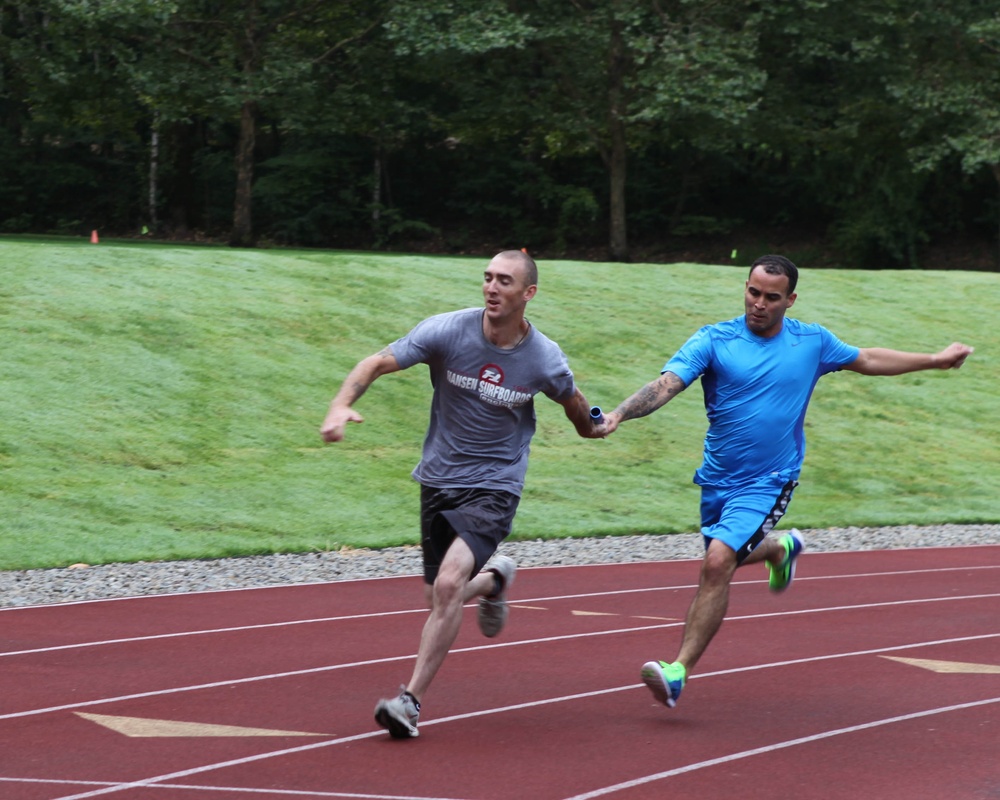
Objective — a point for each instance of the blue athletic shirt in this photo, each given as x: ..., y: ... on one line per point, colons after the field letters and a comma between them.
x: 756, y: 393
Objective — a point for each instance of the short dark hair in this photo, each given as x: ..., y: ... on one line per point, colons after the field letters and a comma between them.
x: 778, y: 265
x: 530, y: 268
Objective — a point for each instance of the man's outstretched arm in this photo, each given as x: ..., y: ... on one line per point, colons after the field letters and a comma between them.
x: 882, y: 361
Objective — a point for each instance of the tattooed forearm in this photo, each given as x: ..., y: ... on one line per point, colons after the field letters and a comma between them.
x: 363, y: 375
x: 354, y: 390
x: 651, y: 397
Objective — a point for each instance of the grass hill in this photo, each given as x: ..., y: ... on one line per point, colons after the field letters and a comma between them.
x: 163, y: 402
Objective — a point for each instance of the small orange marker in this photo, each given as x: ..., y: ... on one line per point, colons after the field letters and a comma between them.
x: 93, y: 237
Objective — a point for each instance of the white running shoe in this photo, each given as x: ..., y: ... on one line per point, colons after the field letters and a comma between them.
x: 493, y: 610
x: 399, y: 715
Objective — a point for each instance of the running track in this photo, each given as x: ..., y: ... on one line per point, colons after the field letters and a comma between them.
x: 876, y: 676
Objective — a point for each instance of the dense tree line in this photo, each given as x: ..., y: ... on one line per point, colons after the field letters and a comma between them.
x: 563, y: 124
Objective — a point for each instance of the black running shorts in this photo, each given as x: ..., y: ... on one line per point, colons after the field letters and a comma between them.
x: 481, y: 517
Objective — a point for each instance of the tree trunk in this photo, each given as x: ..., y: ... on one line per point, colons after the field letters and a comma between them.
x: 377, y: 189
x: 242, y: 233
x: 154, y: 164
x: 618, y: 157
x: 178, y: 186
x: 996, y: 174
x: 682, y: 194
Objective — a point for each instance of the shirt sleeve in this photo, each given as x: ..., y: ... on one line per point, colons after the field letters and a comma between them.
x: 836, y: 354
x: 693, y: 358
x: 419, y: 345
x: 563, y: 387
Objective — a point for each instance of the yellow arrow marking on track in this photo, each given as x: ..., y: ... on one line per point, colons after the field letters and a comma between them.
x: 598, y: 613
x: 137, y: 727
x: 953, y: 667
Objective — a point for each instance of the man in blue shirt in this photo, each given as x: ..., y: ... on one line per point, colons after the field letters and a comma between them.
x: 758, y: 372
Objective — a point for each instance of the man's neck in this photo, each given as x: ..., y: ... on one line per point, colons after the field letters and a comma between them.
x: 506, y: 336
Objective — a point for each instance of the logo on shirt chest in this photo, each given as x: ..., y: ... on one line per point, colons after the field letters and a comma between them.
x: 489, y: 386
x: 491, y: 373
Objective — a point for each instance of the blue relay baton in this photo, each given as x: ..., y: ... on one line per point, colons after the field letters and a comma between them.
x: 596, y: 415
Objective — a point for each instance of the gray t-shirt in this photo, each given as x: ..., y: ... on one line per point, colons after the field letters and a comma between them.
x: 482, y: 412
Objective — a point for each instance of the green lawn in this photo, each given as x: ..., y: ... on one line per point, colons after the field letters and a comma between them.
x: 163, y: 402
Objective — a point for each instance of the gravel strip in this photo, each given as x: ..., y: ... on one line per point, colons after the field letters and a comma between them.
x: 81, y: 582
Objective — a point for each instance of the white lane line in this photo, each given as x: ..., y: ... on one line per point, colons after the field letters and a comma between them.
x: 208, y: 631
x: 231, y: 590
x: 241, y: 790
x: 416, y: 574
x: 159, y: 779
x: 542, y: 640
x: 235, y: 762
x: 423, y: 610
x: 757, y: 751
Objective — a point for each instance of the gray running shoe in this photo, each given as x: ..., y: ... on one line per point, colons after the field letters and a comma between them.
x: 493, y: 609
x: 399, y: 715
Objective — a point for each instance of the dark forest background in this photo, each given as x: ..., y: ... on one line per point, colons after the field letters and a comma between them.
x: 856, y: 133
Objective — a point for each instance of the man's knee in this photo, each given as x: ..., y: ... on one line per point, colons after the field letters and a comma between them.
x: 448, y: 585
x: 719, y: 563
x: 452, y: 577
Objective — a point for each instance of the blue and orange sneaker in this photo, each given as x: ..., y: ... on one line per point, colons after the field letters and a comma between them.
x: 781, y: 577
x: 664, y: 680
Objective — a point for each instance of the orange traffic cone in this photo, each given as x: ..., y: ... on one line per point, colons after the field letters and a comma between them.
x: 93, y: 237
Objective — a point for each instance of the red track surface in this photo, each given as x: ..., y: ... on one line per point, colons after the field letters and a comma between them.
x: 798, y: 696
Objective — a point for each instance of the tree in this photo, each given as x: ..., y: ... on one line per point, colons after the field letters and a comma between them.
x: 131, y: 65
x: 68, y: 109
x: 236, y: 59
x: 949, y: 85
x: 599, y: 77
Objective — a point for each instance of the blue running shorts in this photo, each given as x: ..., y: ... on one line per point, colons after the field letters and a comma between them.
x: 742, y: 517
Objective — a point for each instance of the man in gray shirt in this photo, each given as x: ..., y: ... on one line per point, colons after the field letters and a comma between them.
x: 486, y: 366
